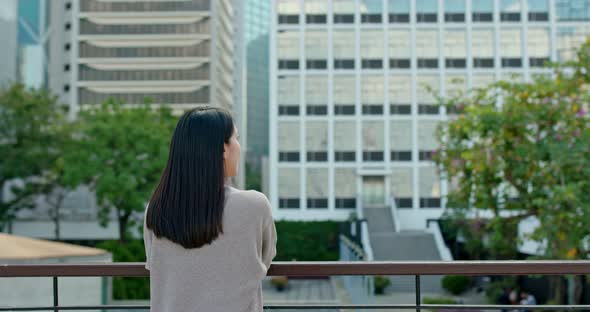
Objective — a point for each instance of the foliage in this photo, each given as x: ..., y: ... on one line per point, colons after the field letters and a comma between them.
x: 495, y: 289
x: 307, y: 241
x: 525, y: 157
x: 30, y: 128
x: 128, y: 288
x: 380, y: 283
x: 438, y: 300
x: 456, y: 284
x: 121, y: 154
x: 253, y: 178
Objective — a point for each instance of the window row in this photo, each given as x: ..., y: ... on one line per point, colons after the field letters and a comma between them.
x: 398, y: 11
x: 345, y: 191
x: 373, y: 138
x: 374, y: 53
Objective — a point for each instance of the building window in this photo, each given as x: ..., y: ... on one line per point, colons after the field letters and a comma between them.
x: 317, y: 188
x: 345, y: 188
x: 400, y: 51
x: 372, y: 50
x: 374, y: 64
x: 539, y: 47
x: 319, y: 110
x: 429, y: 188
x: 400, y: 109
x: 288, y: 203
x: 401, y: 155
x: 317, y: 64
x: 511, y: 62
x: 288, y: 139
x: 568, y: 10
x: 343, y: 18
x: 483, y: 62
x: 538, y: 10
x: 402, y: 187
x: 510, y: 47
x: 67, y: 46
x: 315, y: 18
x: 66, y: 88
x: 372, y: 109
x: 482, y: 10
x: 68, y: 26
x: 455, y: 63
x: 344, y: 64
x: 344, y: 110
x: 68, y: 5
x: 426, y: 139
x: 428, y: 109
x: 289, y: 187
x: 344, y: 156
x: 316, y: 95
x: 399, y: 63
x: 454, y: 11
x: 317, y: 156
x: 425, y: 155
x: 289, y: 156
x: 288, y: 12
x: 426, y: 11
x: 427, y: 51
x: 455, y: 45
x: 372, y: 156
x: 345, y: 203
x: 371, y: 18
x: 344, y: 11
x: 510, y: 10
x: 399, y: 11
x: 538, y: 61
x: 289, y: 64
x: 373, y: 140
x: 67, y: 67
x: 289, y: 110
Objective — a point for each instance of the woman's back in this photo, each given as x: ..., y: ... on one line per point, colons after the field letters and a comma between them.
x: 223, y: 276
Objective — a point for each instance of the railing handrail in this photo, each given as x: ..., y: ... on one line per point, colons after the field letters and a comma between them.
x: 394, y: 215
x: 443, y: 249
x: 322, y: 269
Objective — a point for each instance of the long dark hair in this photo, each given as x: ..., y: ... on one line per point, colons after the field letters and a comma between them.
x: 187, y: 206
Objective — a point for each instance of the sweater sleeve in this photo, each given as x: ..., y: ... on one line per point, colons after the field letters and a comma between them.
x: 269, y: 236
x: 147, y: 240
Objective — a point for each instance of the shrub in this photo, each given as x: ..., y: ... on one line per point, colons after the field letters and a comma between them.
x: 456, y: 284
x: 280, y: 282
x: 307, y: 241
x: 438, y: 300
x: 128, y: 288
x: 380, y: 283
x: 494, y: 289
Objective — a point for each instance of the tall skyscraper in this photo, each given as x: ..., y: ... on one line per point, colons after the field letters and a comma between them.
x: 351, y: 120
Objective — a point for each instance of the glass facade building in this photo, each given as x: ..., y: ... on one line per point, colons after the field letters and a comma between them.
x: 352, y: 119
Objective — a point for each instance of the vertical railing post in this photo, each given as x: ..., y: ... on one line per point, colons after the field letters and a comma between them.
x: 55, y: 295
x: 418, y: 300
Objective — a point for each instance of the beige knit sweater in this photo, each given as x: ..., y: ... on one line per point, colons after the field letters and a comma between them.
x: 224, y: 276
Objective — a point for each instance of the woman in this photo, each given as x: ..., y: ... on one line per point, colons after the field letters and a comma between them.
x: 208, y: 245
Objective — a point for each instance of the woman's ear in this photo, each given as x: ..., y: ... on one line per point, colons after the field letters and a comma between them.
x: 225, y: 148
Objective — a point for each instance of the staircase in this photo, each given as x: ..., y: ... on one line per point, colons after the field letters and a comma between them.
x: 391, y: 245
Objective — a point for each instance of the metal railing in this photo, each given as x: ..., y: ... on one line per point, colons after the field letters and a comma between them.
x: 319, y: 269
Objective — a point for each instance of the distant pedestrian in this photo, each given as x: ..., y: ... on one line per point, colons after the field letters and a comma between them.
x: 527, y: 298
x: 504, y: 298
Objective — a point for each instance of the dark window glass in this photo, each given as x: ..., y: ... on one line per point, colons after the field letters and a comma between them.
x: 288, y: 64
x: 289, y: 110
x: 399, y: 18
x: 315, y: 18
x: 317, y: 156
x: 317, y: 110
x: 427, y: 63
x: 511, y: 62
x: 456, y: 63
x: 538, y: 16
x: 345, y: 203
x: 482, y: 17
x: 426, y: 17
x: 289, y: 203
x: 344, y: 156
x: 483, y: 62
x: 317, y: 64
x: 399, y: 63
x: 538, y: 61
x: 344, y: 64
x: 403, y: 202
x: 372, y: 156
x: 344, y: 109
x: 289, y: 156
x: 343, y: 18
x: 426, y: 109
x: 429, y: 202
x: 67, y: 46
x: 68, y: 6
x: 454, y: 17
x: 317, y: 203
x: 425, y: 155
x: 372, y: 109
x: 68, y: 26
x: 371, y: 18
x: 289, y: 19
x: 400, y: 109
x: 67, y: 67
x: 454, y: 110
x: 510, y: 16
x: 67, y: 88
x: 401, y: 155
x: 372, y: 64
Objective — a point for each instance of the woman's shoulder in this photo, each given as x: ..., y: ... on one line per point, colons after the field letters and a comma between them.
x: 250, y: 198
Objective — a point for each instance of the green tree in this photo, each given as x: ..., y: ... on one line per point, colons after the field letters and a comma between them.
x: 521, y: 149
x: 121, y: 153
x: 30, y: 128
